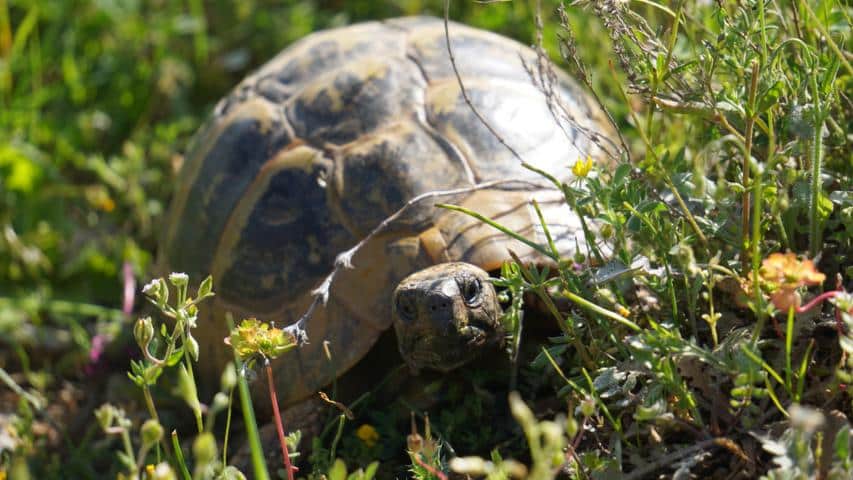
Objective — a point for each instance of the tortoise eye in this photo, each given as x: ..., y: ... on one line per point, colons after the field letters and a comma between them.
x: 471, y: 290
x: 406, y: 306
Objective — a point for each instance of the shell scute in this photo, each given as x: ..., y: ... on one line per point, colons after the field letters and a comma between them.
x: 477, y: 53
x: 240, y: 145
x: 286, y: 240
x: 354, y: 100
x: 379, y: 174
x: 551, y: 146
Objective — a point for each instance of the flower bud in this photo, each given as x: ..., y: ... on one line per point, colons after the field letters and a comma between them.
x: 572, y: 427
x: 204, y: 448
x: 229, y: 377
x: 474, y: 466
x: 220, y: 402
x: 587, y: 406
x: 231, y: 473
x: 105, y: 414
x: 143, y: 332
x: 520, y: 410
x: 187, y: 389
x: 414, y: 442
x: 152, y: 432
x: 192, y: 347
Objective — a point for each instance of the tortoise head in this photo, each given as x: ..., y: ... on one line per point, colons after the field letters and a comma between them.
x: 445, y: 315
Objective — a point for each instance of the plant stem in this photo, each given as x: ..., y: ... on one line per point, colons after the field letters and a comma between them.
x: 278, y: 425
x: 179, y: 456
x: 817, y: 153
x: 152, y: 410
x: 789, y: 340
x: 818, y: 299
x: 494, y: 224
x: 259, y: 467
x: 755, y: 255
x: 601, y: 311
x: 128, y: 445
x: 257, y: 452
x: 227, y: 427
x: 747, y: 155
x: 33, y: 400
x: 333, y: 450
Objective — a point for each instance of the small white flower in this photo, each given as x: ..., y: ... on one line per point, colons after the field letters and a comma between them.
x: 152, y: 288
x: 806, y: 419
x: 179, y: 279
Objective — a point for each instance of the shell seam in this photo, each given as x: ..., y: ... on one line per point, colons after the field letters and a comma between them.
x: 446, y: 144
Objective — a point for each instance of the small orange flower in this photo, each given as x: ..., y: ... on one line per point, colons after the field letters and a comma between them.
x: 783, y: 273
x: 784, y: 270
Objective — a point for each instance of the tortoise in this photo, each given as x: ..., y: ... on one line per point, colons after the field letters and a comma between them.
x: 310, y: 153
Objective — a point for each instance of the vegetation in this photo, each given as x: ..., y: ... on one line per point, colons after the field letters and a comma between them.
x: 717, y: 339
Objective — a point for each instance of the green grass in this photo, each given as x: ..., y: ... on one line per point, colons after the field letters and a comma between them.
x: 737, y: 121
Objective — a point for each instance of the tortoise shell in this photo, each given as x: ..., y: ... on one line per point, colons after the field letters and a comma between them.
x: 310, y: 153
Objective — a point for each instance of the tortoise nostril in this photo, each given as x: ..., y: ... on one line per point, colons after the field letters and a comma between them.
x: 438, y: 303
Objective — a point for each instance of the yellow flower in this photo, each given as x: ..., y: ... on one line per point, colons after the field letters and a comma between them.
x: 252, y: 337
x: 107, y: 204
x: 582, y: 168
x: 367, y: 434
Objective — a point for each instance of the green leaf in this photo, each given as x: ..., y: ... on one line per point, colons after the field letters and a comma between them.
x: 19, y: 172
x: 175, y: 357
x: 338, y: 470
x: 370, y: 471
x: 842, y: 444
x: 824, y: 206
x: 621, y: 173
x: 770, y: 97
x: 206, y: 287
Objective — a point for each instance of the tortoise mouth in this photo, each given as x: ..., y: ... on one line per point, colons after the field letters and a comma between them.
x: 446, y: 351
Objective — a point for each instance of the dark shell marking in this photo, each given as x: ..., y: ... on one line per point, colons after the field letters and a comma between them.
x: 317, y: 147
